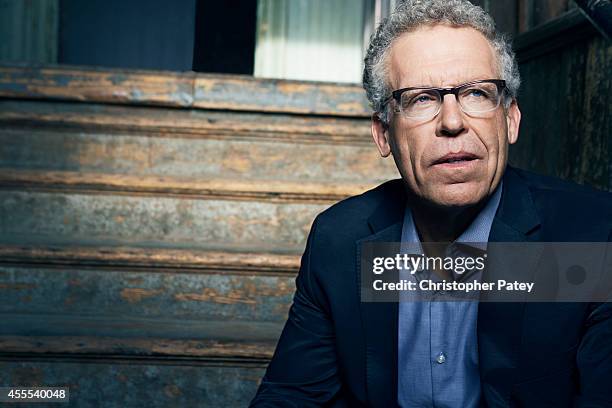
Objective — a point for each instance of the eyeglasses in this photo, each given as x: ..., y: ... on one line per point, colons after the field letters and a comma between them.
x: 474, y: 98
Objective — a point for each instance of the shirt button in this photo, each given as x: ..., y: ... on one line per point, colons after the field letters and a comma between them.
x: 441, y: 358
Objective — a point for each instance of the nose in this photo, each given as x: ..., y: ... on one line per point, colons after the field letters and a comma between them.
x: 451, y: 120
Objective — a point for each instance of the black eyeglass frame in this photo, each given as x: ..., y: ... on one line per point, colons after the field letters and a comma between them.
x: 397, y: 94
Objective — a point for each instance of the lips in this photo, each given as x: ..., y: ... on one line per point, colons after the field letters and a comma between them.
x: 455, y: 158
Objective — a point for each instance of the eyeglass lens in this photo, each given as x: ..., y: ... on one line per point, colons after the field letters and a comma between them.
x: 473, y: 98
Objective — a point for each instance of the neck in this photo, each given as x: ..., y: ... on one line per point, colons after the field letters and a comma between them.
x: 437, y: 224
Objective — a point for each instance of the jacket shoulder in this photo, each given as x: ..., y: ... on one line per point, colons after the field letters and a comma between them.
x: 548, y: 183
x: 356, y: 210
x: 567, y: 203
x: 547, y: 186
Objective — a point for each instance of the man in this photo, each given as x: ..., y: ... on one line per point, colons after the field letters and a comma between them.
x: 443, y: 85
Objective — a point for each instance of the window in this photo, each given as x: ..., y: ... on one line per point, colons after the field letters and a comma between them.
x: 321, y: 40
x: 310, y: 39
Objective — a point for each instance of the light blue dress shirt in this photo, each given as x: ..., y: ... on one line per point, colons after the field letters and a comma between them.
x: 437, y: 341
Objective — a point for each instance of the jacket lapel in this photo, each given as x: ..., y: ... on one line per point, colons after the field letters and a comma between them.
x: 380, y: 319
x: 500, y: 323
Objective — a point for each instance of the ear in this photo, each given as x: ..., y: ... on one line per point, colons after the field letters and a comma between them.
x: 380, y: 134
x: 513, y: 121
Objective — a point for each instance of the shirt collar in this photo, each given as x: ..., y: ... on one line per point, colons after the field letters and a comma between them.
x: 476, y: 233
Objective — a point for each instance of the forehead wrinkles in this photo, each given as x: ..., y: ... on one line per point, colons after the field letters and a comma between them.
x: 443, y: 80
x: 440, y: 56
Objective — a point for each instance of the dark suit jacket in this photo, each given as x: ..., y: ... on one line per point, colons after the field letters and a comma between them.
x: 338, y: 351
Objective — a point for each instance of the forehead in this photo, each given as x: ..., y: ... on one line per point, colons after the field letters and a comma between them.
x: 440, y: 55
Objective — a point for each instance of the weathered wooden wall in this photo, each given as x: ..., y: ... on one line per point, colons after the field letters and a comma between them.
x: 151, y: 225
x: 566, y: 67
x: 518, y: 16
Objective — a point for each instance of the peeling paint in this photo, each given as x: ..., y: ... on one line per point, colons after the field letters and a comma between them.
x: 117, y: 79
x: 134, y: 295
x: 211, y: 295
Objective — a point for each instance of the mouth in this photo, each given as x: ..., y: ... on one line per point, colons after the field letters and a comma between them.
x: 455, y: 159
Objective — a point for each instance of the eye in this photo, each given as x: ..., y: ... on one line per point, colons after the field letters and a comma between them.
x: 421, y: 99
x: 476, y: 93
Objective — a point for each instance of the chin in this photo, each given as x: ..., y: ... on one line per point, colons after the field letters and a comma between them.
x: 457, y: 196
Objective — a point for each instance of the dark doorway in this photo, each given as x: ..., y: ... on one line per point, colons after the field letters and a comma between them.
x: 225, y: 36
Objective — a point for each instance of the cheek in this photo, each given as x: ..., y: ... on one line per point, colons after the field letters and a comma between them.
x: 494, y: 138
x: 407, y: 151
x: 502, y: 138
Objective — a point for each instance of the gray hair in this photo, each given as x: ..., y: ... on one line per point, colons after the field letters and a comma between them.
x: 412, y: 14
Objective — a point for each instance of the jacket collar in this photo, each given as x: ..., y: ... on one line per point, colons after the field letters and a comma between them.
x: 515, y: 221
x: 500, y: 324
x: 390, y: 209
x: 517, y: 211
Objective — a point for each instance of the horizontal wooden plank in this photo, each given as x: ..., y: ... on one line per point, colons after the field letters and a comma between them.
x: 123, y: 384
x: 129, y: 313
x: 155, y: 258
x: 111, y: 347
x: 152, y: 121
x: 277, y: 95
x: 90, y: 151
x: 92, y: 84
x: 140, y: 298
x: 225, y: 189
x: 127, y: 339
x: 124, y: 327
x: 44, y: 218
x: 226, y: 92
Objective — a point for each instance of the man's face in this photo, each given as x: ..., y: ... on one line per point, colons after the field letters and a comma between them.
x: 443, y: 56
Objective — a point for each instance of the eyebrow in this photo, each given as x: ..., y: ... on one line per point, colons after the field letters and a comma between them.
x: 467, y: 81
x: 471, y: 78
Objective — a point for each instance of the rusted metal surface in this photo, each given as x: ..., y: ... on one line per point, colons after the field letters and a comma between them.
x: 121, y: 385
x: 226, y: 189
x: 237, y: 93
x: 101, y: 219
